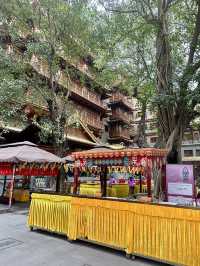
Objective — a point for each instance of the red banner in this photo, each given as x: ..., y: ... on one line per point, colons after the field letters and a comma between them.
x: 7, y: 169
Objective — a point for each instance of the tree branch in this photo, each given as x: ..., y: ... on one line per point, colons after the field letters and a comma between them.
x: 170, y: 2
x: 195, y: 37
x: 145, y: 63
x: 147, y: 3
x: 195, y: 66
x: 148, y: 17
x: 102, y: 2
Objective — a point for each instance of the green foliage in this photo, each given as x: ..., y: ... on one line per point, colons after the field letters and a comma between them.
x: 125, y: 36
x: 50, y: 31
x: 12, y: 87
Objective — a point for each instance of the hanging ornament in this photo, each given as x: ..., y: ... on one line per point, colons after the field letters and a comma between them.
x: 143, y: 162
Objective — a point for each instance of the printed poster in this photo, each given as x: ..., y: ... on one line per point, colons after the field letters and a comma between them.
x: 180, y: 183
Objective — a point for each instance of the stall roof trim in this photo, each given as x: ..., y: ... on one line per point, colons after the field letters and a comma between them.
x: 101, y: 153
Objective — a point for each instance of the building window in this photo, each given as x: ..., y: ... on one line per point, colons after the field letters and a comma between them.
x: 153, y: 139
x: 138, y: 115
x: 188, y: 153
x: 197, y: 152
x: 152, y: 126
x: 196, y: 135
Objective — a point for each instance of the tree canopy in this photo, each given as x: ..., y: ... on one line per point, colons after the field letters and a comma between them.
x: 154, y: 45
x: 37, y: 36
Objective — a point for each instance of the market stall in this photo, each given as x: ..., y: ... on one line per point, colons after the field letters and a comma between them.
x: 21, y: 165
x: 117, y: 173
x: 154, y: 230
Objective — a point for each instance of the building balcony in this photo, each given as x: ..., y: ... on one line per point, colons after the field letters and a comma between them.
x: 119, y: 134
x: 191, y: 142
x: 151, y: 131
x: 89, y: 117
x: 120, y: 115
x: 78, y: 92
x: 93, y: 122
x: 85, y: 95
x: 119, y: 98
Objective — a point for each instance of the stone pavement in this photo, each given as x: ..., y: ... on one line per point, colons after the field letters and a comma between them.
x: 4, y: 208
x: 19, y: 246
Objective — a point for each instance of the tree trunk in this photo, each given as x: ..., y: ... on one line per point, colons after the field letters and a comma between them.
x: 141, y: 136
x: 59, y: 121
x: 167, y: 116
x: 174, y: 144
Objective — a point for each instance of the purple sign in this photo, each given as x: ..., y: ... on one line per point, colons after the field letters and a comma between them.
x: 180, y: 182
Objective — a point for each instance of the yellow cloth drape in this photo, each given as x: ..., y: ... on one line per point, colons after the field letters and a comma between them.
x: 50, y: 212
x: 161, y: 232
x: 90, y: 189
x: 116, y: 190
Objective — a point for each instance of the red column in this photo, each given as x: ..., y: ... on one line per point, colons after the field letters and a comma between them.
x: 164, y: 185
x: 76, y: 176
x: 149, y: 176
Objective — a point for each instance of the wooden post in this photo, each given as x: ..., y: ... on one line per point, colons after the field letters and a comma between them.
x: 163, y: 182
x: 103, y: 180
x: 58, y: 182
x: 12, y: 187
x: 140, y: 177
x: 76, y: 176
x: 149, y: 176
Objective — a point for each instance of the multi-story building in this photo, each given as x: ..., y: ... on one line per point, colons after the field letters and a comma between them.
x: 88, y: 103
x: 190, y: 149
x: 96, y: 124
x: 120, y: 119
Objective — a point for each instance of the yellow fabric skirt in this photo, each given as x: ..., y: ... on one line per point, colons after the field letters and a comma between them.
x: 166, y: 233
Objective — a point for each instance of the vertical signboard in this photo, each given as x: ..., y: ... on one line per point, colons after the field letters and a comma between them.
x: 180, y: 183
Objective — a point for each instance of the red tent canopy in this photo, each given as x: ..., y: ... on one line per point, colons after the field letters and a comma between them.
x: 29, y: 160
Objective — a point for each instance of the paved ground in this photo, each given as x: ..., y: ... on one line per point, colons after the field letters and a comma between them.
x: 15, y: 207
x: 19, y: 246
x: 3, y: 208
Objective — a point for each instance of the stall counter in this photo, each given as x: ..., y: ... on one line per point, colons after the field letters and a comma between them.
x: 164, y: 233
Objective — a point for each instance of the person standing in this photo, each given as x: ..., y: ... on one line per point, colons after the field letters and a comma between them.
x: 131, y: 184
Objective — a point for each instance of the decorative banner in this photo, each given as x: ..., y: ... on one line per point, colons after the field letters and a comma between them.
x: 126, y: 161
x: 134, y: 160
x: 89, y: 163
x: 82, y: 162
x: 28, y: 171
x: 180, y: 183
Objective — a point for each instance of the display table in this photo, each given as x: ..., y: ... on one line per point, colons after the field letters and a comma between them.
x: 90, y: 189
x: 50, y: 212
x: 116, y: 190
x: 20, y: 195
x: 122, y: 190
x: 165, y: 233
